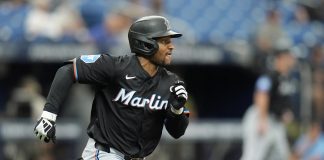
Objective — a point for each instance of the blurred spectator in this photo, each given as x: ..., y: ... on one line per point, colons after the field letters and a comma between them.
x: 317, y: 64
x: 264, y: 134
x: 112, y: 32
x: 319, y: 8
x: 113, y: 29
x: 190, y: 37
x: 157, y: 6
x: 315, y: 9
x: 317, y: 57
x: 270, y: 31
x: 310, y: 145
x: 12, y: 31
x: 26, y: 103
x: 48, y: 23
x: 302, y: 30
x: 134, y: 9
x: 26, y: 100
x: 12, y: 17
x: 93, y: 11
x: 267, y: 34
x: 137, y: 9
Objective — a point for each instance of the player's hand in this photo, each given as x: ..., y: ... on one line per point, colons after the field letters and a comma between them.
x: 45, y: 127
x: 178, y: 96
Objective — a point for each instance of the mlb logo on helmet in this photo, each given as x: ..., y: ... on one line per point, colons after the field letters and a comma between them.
x: 166, y: 22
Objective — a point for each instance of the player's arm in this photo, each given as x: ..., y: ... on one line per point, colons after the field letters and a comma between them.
x: 177, y: 116
x: 261, y: 101
x: 88, y: 69
x: 261, y: 95
x: 175, y: 124
x: 63, y: 80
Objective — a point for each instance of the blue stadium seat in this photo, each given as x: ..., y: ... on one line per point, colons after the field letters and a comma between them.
x: 218, y: 19
x: 12, y: 21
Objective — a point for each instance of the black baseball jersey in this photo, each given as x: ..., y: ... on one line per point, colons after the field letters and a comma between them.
x: 281, y: 89
x: 130, y: 107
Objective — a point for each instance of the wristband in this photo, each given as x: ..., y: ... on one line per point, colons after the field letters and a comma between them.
x: 177, y: 111
x: 49, y: 116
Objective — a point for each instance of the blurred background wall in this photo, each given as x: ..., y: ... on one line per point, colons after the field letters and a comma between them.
x: 225, y: 47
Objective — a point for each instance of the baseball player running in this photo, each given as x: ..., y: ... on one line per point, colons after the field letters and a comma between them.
x: 135, y: 96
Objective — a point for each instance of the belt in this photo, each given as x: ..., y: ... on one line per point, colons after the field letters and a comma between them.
x: 108, y: 149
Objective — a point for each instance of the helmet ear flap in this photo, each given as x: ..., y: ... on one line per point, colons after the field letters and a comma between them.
x: 143, y: 46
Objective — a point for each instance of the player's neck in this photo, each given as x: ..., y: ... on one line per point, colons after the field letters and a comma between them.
x: 148, y: 66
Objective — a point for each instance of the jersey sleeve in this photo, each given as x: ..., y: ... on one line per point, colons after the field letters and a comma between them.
x: 263, y: 84
x: 94, y: 69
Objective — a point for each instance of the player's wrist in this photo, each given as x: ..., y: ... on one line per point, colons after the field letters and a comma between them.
x: 48, y: 115
x: 177, y: 111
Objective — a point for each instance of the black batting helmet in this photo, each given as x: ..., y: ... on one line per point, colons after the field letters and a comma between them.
x: 143, y: 33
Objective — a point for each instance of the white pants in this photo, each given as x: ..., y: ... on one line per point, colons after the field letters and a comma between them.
x: 272, y: 145
x: 91, y: 153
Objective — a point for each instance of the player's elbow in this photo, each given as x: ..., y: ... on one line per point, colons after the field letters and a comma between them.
x: 177, y: 135
x: 176, y: 132
x: 177, y: 127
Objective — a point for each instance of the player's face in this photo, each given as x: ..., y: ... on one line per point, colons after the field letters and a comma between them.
x: 164, y: 55
x: 286, y: 62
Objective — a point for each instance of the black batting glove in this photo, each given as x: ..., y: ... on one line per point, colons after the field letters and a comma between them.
x: 178, y: 96
x: 45, y: 127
